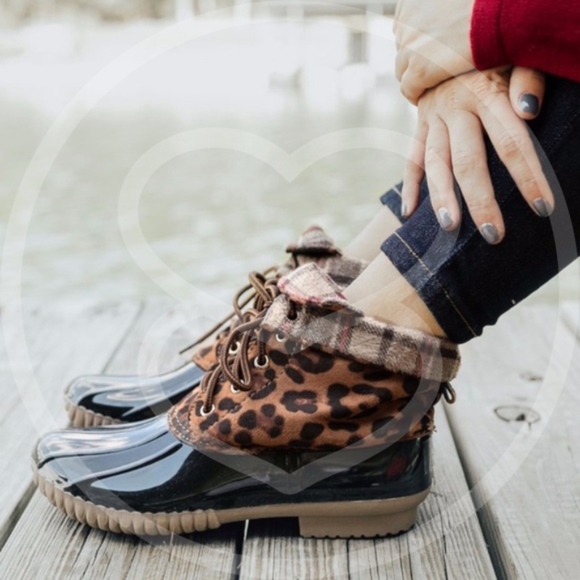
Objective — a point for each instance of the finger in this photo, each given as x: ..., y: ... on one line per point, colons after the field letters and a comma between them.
x: 411, y: 86
x: 414, y: 172
x: 512, y: 140
x: 527, y: 92
x: 438, y: 170
x: 470, y: 168
x: 401, y: 64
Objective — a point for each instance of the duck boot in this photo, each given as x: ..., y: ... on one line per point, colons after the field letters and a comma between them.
x: 108, y: 399
x: 322, y: 413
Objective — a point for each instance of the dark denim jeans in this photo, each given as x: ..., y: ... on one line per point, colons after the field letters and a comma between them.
x: 468, y: 284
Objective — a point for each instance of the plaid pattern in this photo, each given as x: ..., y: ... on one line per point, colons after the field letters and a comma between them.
x: 326, y: 318
x: 314, y: 245
x: 313, y: 242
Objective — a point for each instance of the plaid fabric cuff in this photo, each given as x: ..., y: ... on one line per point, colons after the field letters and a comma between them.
x: 326, y: 318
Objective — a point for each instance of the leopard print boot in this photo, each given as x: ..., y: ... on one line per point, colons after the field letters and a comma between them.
x: 93, y: 400
x: 313, y: 411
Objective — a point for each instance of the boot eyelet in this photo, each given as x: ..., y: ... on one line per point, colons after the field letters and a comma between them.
x: 235, y: 348
x: 263, y: 364
x: 235, y: 390
x: 205, y: 413
x: 280, y: 337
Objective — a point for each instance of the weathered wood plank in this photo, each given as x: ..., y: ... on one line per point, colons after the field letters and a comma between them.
x: 62, y: 341
x: 516, y: 425
x: 446, y: 542
x: 70, y: 550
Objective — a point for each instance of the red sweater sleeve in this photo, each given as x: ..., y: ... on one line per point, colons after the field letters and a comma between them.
x: 540, y: 34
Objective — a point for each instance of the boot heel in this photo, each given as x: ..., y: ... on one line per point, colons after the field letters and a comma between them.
x: 357, y: 527
x: 361, y: 519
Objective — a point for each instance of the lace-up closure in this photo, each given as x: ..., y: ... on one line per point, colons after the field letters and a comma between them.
x: 239, y: 303
x: 234, y: 362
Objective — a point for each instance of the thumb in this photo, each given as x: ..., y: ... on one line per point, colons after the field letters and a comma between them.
x: 527, y: 92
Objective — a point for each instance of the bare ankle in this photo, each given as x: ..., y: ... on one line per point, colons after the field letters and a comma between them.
x: 383, y: 293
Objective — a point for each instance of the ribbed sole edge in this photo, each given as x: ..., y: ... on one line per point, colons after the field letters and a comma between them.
x: 353, y: 519
x: 81, y: 417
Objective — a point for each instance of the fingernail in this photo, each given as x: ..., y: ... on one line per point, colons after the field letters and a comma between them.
x: 489, y: 233
x: 529, y: 104
x: 403, y: 209
x: 542, y: 207
x: 444, y: 218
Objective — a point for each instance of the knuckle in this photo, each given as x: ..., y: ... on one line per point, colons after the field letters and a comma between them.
x: 407, y: 89
x: 481, y: 208
x: 465, y: 163
x: 432, y: 156
x: 511, y: 145
x: 530, y: 187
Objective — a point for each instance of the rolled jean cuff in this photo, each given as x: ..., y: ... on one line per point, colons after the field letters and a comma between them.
x: 392, y: 199
x: 446, y: 308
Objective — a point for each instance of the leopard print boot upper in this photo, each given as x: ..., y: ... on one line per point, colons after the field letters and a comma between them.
x: 311, y: 372
x: 313, y: 246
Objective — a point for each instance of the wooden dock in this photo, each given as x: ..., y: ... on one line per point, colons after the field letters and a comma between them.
x: 506, y: 495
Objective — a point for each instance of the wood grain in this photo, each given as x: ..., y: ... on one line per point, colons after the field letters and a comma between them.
x: 45, y: 544
x: 61, y: 341
x: 516, y: 425
x: 446, y: 542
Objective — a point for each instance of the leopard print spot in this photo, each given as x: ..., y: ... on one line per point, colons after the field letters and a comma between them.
x: 279, y: 358
x: 225, y: 427
x: 356, y: 367
x: 365, y: 413
x: 243, y: 438
x: 213, y: 418
x: 247, y: 420
x: 275, y: 432
x: 226, y: 404
x: 342, y: 425
x: 296, y: 401
x: 410, y: 384
x: 268, y: 410
x: 264, y: 391
x: 311, y: 431
x: 353, y: 439
x: 279, y: 420
x: 335, y: 393
x: 377, y: 374
x: 295, y: 375
x: 270, y: 374
x: 384, y: 395
x: 324, y: 363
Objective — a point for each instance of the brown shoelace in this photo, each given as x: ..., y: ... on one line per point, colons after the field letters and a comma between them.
x: 234, y: 362
x: 239, y: 306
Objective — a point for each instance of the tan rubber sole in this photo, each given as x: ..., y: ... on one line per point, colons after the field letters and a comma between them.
x: 81, y: 417
x: 355, y: 519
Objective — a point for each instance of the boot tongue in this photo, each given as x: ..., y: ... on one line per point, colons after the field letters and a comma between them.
x: 315, y: 245
x: 309, y: 284
x: 313, y: 242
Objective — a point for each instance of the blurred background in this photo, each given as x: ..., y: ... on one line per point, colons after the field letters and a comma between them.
x: 286, y: 71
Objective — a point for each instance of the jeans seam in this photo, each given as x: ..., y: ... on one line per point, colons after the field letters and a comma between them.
x: 433, y: 276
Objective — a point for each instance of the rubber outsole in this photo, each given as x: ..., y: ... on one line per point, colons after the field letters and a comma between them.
x: 81, y: 417
x: 355, y: 519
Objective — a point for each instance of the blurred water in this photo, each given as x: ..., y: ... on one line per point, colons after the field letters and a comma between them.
x: 209, y: 215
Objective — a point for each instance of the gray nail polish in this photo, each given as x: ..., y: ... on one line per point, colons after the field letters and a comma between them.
x: 403, y: 209
x: 529, y: 104
x: 542, y: 207
x: 444, y: 218
x: 489, y: 233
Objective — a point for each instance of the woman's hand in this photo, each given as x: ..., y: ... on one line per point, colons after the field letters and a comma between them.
x: 449, y: 143
x: 433, y: 43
